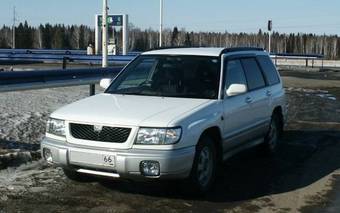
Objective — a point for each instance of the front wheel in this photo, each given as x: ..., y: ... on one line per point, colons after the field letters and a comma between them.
x: 203, y: 171
x: 272, y: 139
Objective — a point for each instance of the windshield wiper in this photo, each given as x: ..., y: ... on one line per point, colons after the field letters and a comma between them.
x: 133, y: 93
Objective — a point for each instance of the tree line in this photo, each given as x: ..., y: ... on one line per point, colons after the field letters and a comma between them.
x: 47, y: 36
x: 80, y: 36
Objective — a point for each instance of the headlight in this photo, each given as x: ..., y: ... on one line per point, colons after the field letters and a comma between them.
x: 155, y: 136
x: 56, y: 127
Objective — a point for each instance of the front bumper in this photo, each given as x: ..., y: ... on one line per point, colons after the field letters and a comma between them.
x: 174, y: 164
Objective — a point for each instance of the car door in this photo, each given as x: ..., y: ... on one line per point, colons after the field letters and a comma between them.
x: 236, y: 108
x: 258, y: 98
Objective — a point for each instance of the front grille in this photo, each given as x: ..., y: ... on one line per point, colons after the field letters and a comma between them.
x: 102, y: 134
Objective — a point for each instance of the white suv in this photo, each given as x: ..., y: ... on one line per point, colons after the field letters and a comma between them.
x: 171, y: 113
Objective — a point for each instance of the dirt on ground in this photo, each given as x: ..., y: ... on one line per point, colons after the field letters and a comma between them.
x: 304, y: 176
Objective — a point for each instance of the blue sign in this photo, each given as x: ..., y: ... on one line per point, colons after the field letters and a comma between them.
x: 112, y: 20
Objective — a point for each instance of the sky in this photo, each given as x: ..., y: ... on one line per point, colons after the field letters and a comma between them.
x: 307, y: 16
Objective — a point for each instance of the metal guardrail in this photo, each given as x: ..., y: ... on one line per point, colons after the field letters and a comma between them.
x: 29, y: 80
x: 297, y: 56
x: 53, y: 51
x: 19, y: 56
x: 43, y: 51
x: 305, y: 57
x: 43, y: 58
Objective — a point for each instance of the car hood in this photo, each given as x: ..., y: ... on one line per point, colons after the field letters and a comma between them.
x: 127, y: 110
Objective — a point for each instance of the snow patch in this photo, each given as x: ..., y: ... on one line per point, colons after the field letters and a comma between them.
x: 311, y: 92
x: 23, y: 115
x: 28, y: 177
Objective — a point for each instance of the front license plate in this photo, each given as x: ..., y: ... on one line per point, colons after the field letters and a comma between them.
x: 109, y: 160
x: 94, y: 159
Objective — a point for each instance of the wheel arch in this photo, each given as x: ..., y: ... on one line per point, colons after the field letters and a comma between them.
x: 214, y: 132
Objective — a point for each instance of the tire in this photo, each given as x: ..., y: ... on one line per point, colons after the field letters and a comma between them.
x: 203, y: 172
x: 272, y: 139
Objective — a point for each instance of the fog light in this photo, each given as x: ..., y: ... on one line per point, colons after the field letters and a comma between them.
x: 48, y: 155
x: 150, y: 168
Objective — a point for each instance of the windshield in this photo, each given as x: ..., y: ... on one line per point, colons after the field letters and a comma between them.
x: 170, y: 76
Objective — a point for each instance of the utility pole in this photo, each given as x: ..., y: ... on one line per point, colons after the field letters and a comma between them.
x: 13, y: 28
x: 105, y: 34
x: 160, y: 23
x: 270, y: 28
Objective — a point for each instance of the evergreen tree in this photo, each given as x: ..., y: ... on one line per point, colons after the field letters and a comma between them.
x: 78, y: 37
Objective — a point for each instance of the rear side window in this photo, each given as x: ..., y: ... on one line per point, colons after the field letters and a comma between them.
x: 235, y: 73
x: 253, y: 74
x: 269, y: 70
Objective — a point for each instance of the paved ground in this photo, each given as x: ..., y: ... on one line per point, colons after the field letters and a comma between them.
x: 303, y: 177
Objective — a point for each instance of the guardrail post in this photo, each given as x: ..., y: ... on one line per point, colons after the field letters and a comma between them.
x: 92, y: 89
x: 64, y: 63
x: 275, y: 60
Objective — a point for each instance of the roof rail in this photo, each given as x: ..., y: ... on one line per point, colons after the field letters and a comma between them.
x: 238, y: 49
x: 173, y: 47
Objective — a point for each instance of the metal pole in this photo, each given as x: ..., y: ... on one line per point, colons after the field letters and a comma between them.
x: 97, y: 36
x: 270, y: 28
x: 13, y: 30
x: 125, y: 34
x: 105, y: 34
x: 161, y: 23
x: 275, y: 60
x: 92, y: 89
x: 64, y: 63
x: 270, y: 42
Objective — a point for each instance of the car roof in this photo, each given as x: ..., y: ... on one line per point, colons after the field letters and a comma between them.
x: 200, y: 51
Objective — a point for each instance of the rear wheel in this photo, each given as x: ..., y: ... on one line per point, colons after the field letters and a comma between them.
x: 203, y: 171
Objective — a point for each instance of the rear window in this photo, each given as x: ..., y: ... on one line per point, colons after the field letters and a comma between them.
x: 269, y: 70
x: 253, y: 74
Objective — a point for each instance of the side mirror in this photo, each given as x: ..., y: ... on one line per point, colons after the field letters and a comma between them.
x: 105, y: 83
x: 236, y: 89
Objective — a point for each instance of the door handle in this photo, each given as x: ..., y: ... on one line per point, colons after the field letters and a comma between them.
x: 269, y: 93
x: 249, y: 100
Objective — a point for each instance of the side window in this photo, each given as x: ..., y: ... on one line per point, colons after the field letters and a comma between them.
x: 253, y: 74
x: 234, y: 73
x: 269, y: 70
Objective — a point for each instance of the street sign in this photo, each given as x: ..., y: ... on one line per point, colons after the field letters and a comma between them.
x: 112, y: 20
x: 117, y: 20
